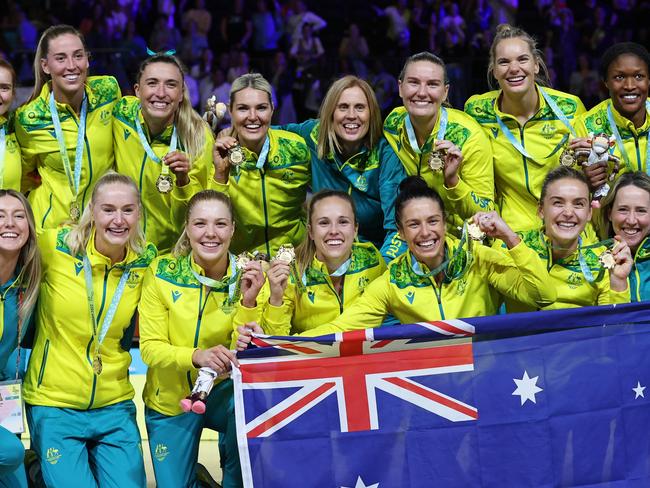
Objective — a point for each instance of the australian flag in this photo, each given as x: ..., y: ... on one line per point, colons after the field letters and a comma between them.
x: 543, y: 399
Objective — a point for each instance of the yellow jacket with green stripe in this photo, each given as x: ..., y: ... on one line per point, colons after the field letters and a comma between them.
x: 164, y: 213
x: 635, y: 140
x: 475, y: 189
x: 10, y: 165
x: 411, y: 298
x: 319, y: 303
x: 566, y: 277
x: 40, y: 150
x: 269, y: 201
x: 60, y: 371
x: 518, y: 180
x: 177, y: 316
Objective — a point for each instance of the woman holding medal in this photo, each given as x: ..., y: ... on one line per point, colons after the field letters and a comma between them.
x: 626, y: 213
x: 349, y: 153
x: 331, y: 270
x: 192, y: 301
x: 79, y: 399
x: 10, y: 158
x: 64, y: 130
x: 443, y: 145
x: 582, y: 273
x: 461, y: 279
x: 528, y: 124
x: 624, y: 116
x: 20, y: 272
x: 265, y: 171
x: 164, y: 145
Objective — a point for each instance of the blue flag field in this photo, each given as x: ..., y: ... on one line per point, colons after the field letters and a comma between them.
x: 543, y: 399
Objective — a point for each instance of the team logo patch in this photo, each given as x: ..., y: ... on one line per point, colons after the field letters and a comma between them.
x: 548, y: 131
x: 410, y: 296
x: 176, y: 295
x: 133, y: 280
x: 461, y: 285
x: 495, y: 132
x: 127, y: 133
x: 287, y: 176
x: 78, y: 267
x: 52, y: 455
x: 311, y: 295
x: 363, y: 282
x: 362, y: 183
x: 161, y: 452
x: 574, y: 280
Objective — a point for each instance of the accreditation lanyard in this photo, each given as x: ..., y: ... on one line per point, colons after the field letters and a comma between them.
x: 147, y: 147
x: 99, y: 332
x: 3, y: 147
x: 410, y: 131
x: 619, y: 139
x: 556, y: 111
x: 226, y: 281
x: 74, y: 179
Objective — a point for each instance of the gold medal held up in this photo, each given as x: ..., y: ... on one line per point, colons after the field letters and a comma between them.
x: 475, y: 233
x: 568, y: 158
x: 75, y: 212
x: 607, y: 260
x: 164, y: 183
x: 437, y: 160
x: 286, y: 254
x: 236, y: 155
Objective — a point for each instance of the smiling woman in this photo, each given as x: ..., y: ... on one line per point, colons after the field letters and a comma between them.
x: 265, y: 171
x: 170, y: 148
x: 61, y: 171
x: 78, y: 395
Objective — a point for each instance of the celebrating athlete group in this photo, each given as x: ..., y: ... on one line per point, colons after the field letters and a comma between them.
x: 120, y: 213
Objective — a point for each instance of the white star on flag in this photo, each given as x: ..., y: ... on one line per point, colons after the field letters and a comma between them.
x: 526, y: 388
x: 361, y: 484
x: 638, y: 390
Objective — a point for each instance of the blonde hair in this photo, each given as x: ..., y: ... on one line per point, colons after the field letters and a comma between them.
x: 29, y: 261
x: 637, y: 178
x: 78, y: 237
x: 182, y: 246
x: 190, y: 126
x: 251, y: 80
x: 507, y: 31
x: 327, y: 140
x: 40, y: 77
x: 306, y: 250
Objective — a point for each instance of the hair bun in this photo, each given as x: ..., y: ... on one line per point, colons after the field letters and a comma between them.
x: 412, y: 184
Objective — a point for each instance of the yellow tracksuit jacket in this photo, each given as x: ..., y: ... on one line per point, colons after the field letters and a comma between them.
x: 635, y: 140
x: 60, y: 371
x: 566, y: 277
x: 11, y: 163
x: 51, y: 198
x: 164, y: 213
x: 320, y: 303
x: 269, y: 201
x: 177, y: 316
x: 412, y: 298
x: 475, y: 189
x: 518, y: 180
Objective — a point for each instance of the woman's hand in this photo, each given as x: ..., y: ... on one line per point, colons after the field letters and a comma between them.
x: 453, y: 159
x: 218, y: 358
x: 179, y: 164
x: 495, y: 227
x: 278, y: 275
x: 623, y: 258
x: 245, y: 334
x: 220, y: 158
x: 252, y: 281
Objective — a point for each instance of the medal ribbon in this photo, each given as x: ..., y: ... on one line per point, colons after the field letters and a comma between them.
x: 74, y: 180
x: 619, y: 140
x: 3, y: 147
x: 112, y: 308
x: 417, y: 267
x: 584, y: 267
x: 147, y: 147
x: 556, y: 111
x: 340, y: 271
x: 410, y: 131
x: 226, y: 281
x: 263, y: 153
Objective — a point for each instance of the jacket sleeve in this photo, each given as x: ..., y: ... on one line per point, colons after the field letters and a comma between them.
x: 517, y: 273
x: 156, y: 350
x: 366, y: 313
x: 391, y: 174
x: 276, y: 320
x: 29, y: 157
x: 607, y: 296
x: 244, y: 315
x: 475, y: 189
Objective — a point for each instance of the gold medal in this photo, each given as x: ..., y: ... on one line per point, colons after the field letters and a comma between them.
x: 263, y: 258
x: 236, y: 155
x: 607, y: 260
x: 243, y: 259
x: 568, y: 158
x: 286, y: 254
x: 97, y: 364
x: 437, y: 161
x: 164, y: 183
x: 75, y: 213
x: 475, y: 233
